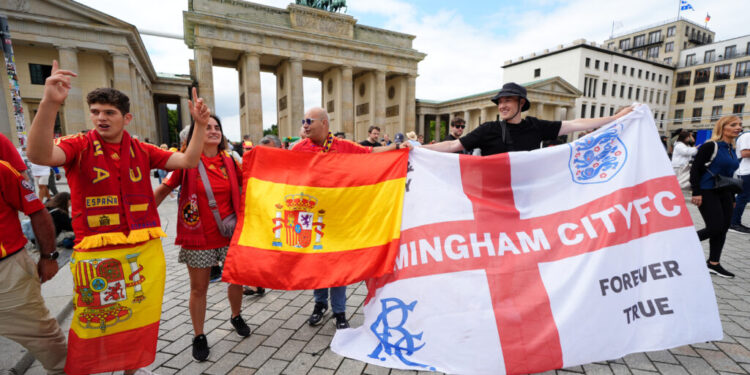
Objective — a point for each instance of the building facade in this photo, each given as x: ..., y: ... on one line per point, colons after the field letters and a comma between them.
x: 711, y: 81
x: 105, y: 51
x: 662, y: 41
x: 607, y: 78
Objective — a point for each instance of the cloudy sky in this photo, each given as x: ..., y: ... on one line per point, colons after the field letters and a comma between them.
x: 466, y: 42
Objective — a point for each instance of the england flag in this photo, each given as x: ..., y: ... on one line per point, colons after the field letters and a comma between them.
x: 530, y: 261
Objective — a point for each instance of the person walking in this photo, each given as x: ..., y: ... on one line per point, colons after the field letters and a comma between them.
x: 716, y: 157
x: 743, y: 173
x: 210, y: 194
x: 682, y: 153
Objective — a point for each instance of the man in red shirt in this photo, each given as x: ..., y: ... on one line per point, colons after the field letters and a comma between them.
x: 116, y: 322
x: 318, y: 138
x: 24, y: 318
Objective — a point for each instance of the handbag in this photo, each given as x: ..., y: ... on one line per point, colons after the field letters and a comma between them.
x: 730, y: 184
x: 225, y: 225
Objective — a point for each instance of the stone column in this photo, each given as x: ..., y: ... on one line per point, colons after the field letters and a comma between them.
x: 297, y: 111
x: 539, y: 110
x: 134, y: 100
x: 570, y: 112
x: 437, y: 128
x: 204, y: 74
x: 379, y: 100
x: 467, y: 118
x: 482, y: 115
x: 451, y: 116
x: 410, y: 109
x: 121, y: 73
x: 420, y: 130
x: 73, y: 110
x: 184, y: 111
x: 253, y: 120
x: 347, y: 102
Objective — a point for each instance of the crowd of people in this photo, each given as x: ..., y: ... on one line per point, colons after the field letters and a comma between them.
x: 114, y: 208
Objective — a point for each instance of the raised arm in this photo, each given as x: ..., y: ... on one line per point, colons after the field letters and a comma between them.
x: 201, y: 113
x: 392, y: 146
x: 41, y: 148
x: 581, y: 124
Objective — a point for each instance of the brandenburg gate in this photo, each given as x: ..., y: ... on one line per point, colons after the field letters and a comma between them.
x: 367, y: 74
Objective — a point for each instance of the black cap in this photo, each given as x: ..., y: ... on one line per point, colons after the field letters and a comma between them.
x: 513, y: 89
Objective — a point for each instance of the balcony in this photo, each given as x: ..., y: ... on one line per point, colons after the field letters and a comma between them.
x: 645, y: 44
x: 704, y: 39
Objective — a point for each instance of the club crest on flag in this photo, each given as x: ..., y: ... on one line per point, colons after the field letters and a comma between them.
x: 190, y: 211
x: 102, y: 284
x: 597, y: 158
x: 395, y: 340
x: 296, y: 217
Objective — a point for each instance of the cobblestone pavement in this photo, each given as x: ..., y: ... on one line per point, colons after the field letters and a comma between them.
x: 283, y: 343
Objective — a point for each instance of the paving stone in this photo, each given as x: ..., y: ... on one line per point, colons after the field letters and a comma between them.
x: 719, y: 360
x: 258, y: 357
x: 239, y: 370
x: 177, y: 332
x: 619, y: 369
x: 662, y: 356
x: 643, y: 372
x: 178, y: 345
x: 737, y: 352
x: 286, y: 313
x: 670, y: 369
x: 269, y: 327
x: 320, y: 371
x: 695, y: 366
x: 277, y: 305
x: 260, y: 317
x: 317, y: 343
x: 272, y: 367
x: 684, y: 350
x: 194, y: 368
x: 371, y: 369
x: 301, y: 364
x: 350, y: 366
x: 639, y: 361
x: 597, y: 369
x: 329, y: 360
x: 249, y: 344
x: 159, y: 370
x: 289, y: 350
x: 225, y: 364
x: 296, y: 322
x: 278, y: 338
x: 577, y: 369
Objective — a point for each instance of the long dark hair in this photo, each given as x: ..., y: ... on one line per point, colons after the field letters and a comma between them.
x: 60, y: 201
x: 222, y: 145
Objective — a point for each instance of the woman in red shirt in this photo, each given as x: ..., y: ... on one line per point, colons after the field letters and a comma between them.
x: 198, y: 232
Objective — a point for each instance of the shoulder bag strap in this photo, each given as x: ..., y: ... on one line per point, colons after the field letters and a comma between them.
x: 209, y: 192
x: 713, y: 155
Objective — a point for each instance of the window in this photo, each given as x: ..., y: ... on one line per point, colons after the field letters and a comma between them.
x: 593, y: 111
x: 699, y: 93
x: 537, y: 72
x: 666, y: 79
x: 624, y: 70
x: 611, y: 111
x: 678, y: 116
x: 658, y: 97
x: 741, y: 89
x: 722, y: 72
x: 669, y: 47
x: 683, y: 79
x: 668, y: 61
x: 664, y: 99
x: 585, y: 85
x: 638, y: 94
x: 715, y: 112
x: 730, y: 52
x: 653, y: 52
x: 639, y: 40
x: 39, y: 73
x: 630, y: 92
x: 632, y: 71
x: 614, y: 89
x: 660, y: 76
x: 650, y: 96
x: 588, y: 62
x: 625, y: 44
x: 596, y: 64
x: 583, y: 110
x: 742, y: 70
x: 647, y: 73
x: 638, y: 54
x: 702, y: 75
x: 616, y: 66
x: 687, y: 31
x: 709, y: 56
x: 719, y: 92
x: 681, y: 96
x: 622, y: 91
x: 690, y: 59
x: 738, y: 108
x: 654, y: 36
x: 747, y: 50
x: 606, y: 66
x: 601, y: 111
x: 697, y: 113
x: 604, y: 88
x: 610, y: 45
x: 671, y: 31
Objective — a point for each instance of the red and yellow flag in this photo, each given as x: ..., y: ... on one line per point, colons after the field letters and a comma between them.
x: 314, y: 220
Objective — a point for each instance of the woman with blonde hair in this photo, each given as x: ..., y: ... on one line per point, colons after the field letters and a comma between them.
x: 716, y: 157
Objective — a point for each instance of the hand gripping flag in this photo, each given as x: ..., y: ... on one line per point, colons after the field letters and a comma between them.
x: 314, y: 220
x: 531, y: 261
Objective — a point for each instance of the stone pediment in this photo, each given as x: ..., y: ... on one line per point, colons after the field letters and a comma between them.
x: 65, y: 10
x: 554, y: 85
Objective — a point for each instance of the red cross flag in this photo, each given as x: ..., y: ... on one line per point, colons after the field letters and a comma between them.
x: 531, y: 261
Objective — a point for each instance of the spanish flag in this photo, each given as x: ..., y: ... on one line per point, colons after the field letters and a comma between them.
x: 316, y: 220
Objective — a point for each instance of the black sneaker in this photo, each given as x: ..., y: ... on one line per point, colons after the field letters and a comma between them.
x: 246, y: 290
x: 240, y: 326
x: 341, y: 321
x: 215, y: 274
x: 739, y: 228
x: 261, y: 291
x: 717, y: 269
x: 200, y: 348
x: 319, y: 311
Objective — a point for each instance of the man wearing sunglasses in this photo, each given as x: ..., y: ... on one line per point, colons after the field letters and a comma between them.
x: 318, y: 138
x: 456, y: 130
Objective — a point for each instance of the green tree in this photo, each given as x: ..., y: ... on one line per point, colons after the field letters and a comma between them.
x: 173, y: 119
x: 274, y: 130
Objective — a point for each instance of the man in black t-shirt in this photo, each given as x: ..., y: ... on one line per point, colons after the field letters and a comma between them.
x: 456, y: 130
x: 514, y: 133
x: 372, y: 137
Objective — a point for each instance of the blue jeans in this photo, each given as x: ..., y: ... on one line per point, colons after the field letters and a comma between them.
x: 741, y: 200
x: 338, y: 298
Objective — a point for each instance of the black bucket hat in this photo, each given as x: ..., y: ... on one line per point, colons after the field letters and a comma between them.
x: 513, y: 89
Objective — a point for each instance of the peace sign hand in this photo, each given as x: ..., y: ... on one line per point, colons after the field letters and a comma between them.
x: 57, y: 85
x: 199, y: 110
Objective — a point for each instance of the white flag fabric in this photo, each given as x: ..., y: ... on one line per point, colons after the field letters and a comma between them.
x: 531, y: 261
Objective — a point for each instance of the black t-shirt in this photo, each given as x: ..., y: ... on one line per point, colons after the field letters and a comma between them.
x: 367, y: 142
x: 524, y: 136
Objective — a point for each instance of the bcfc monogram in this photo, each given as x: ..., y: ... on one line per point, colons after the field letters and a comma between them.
x: 395, y: 340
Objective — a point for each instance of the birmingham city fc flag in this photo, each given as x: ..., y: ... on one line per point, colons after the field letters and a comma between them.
x: 316, y: 220
x: 531, y: 261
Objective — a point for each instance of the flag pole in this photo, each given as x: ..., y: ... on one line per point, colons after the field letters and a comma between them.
x: 612, y: 33
x: 679, y: 8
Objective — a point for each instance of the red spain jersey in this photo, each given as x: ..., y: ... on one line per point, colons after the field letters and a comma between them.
x: 16, y: 194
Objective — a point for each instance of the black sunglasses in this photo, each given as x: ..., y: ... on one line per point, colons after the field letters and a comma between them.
x: 459, y: 126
